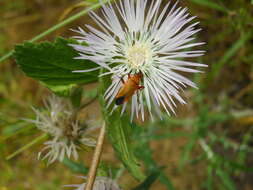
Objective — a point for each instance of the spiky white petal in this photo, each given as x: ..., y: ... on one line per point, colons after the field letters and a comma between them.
x: 141, y: 36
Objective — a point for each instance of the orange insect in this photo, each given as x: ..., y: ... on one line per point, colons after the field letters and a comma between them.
x: 129, y: 88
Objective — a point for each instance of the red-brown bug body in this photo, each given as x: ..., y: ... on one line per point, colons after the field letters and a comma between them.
x: 129, y: 88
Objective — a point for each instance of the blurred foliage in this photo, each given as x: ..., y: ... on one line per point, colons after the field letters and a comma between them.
x: 207, y: 146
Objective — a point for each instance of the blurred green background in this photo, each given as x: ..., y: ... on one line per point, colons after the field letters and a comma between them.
x: 208, y: 145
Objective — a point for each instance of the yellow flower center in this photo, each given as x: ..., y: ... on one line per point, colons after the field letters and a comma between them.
x: 138, y: 55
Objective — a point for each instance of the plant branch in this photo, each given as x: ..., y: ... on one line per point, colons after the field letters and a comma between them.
x: 95, y: 159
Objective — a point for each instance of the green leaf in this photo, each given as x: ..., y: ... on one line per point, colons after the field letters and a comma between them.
x: 13, y: 128
x: 76, y: 97
x: 226, y: 180
x: 209, y: 181
x: 53, y: 63
x: 75, y: 167
x: 60, y: 90
x: 240, y: 167
x: 148, y: 181
x: 187, y: 151
x: 229, y: 54
x: 103, y: 170
x: 119, y: 131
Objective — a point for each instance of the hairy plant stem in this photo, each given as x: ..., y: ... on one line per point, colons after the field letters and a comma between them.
x: 22, y: 149
x: 59, y: 25
x: 95, y: 159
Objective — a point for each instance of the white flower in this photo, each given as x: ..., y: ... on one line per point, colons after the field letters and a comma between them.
x: 101, y: 183
x: 68, y: 135
x: 141, y: 37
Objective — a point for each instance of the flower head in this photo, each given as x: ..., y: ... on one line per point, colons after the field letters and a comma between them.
x: 142, y: 37
x: 101, y: 183
x: 68, y: 135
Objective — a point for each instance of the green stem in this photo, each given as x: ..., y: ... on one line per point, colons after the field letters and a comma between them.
x: 59, y: 25
x: 35, y: 141
x: 6, y: 56
x: 21, y: 130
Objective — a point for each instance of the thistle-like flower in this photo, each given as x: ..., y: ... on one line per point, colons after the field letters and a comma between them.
x: 141, y: 37
x: 101, y: 183
x: 68, y: 135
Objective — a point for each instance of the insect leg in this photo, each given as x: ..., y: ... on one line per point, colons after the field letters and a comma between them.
x: 122, y: 80
x: 140, y: 87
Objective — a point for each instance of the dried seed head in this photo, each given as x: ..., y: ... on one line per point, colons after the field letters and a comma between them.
x: 68, y: 135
